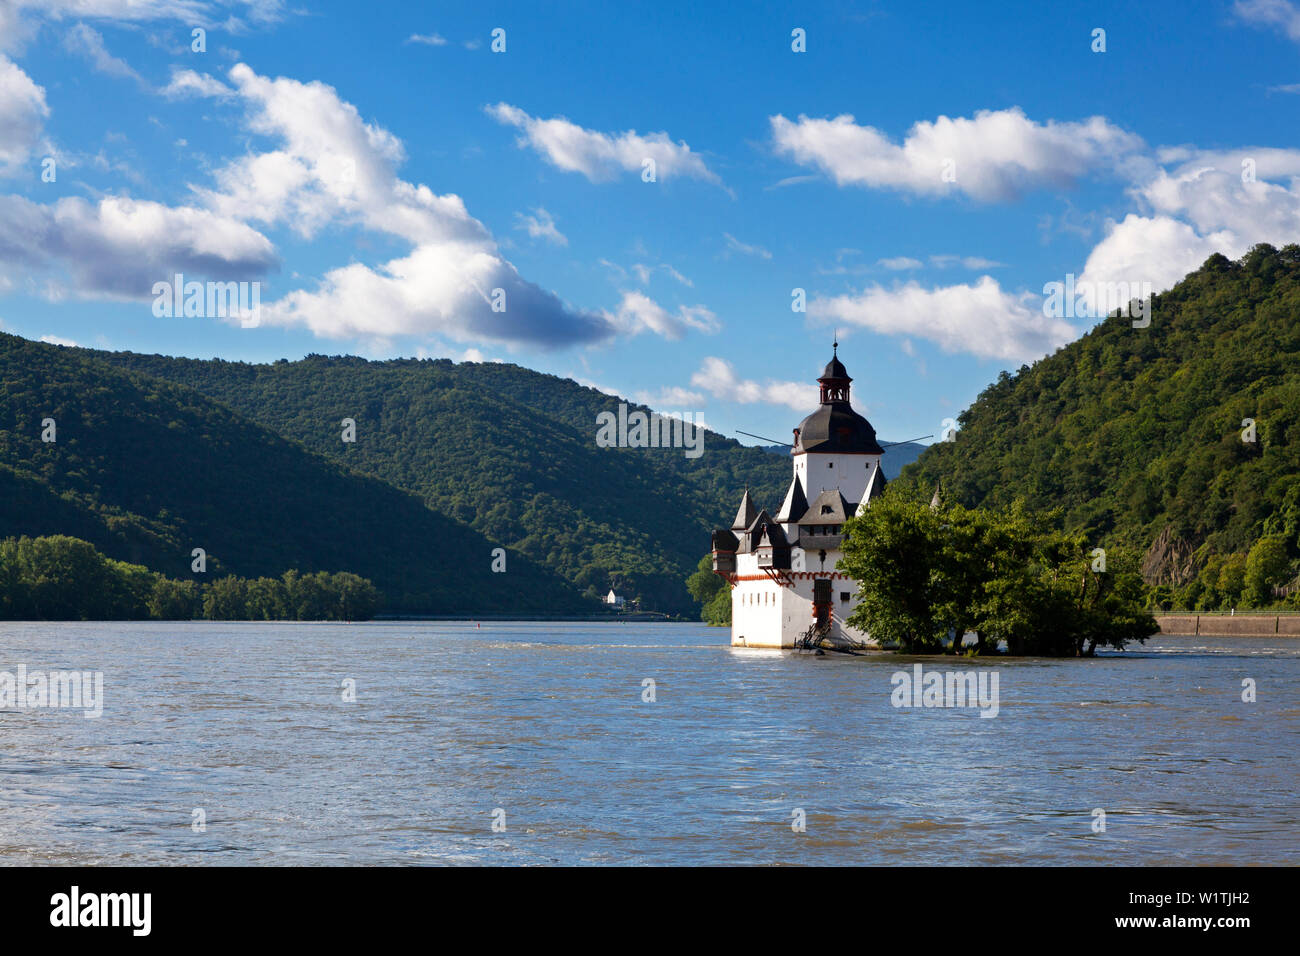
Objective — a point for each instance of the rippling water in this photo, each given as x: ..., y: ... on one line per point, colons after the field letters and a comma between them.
x: 547, y: 722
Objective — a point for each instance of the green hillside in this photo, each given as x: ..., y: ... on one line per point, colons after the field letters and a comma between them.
x: 507, y: 450
x: 147, y: 470
x: 1137, y: 433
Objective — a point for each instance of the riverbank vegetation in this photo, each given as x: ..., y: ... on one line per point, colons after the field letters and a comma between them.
x: 924, y: 573
x: 60, y: 578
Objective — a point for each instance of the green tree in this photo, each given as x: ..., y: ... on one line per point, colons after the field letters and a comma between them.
x: 225, y: 599
x: 712, y: 591
x: 892, y: 550
x: 924, y: 573
x: 172, y: 600
x: 1267, y: 566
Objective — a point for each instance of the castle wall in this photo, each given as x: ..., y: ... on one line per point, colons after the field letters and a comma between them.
x: 768, y: 613
x: 822, y: 472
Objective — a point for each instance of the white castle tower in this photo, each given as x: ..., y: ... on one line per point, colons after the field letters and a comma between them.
x: 782, y: 569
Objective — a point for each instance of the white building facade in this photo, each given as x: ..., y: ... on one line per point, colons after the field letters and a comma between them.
x: 782, y: 569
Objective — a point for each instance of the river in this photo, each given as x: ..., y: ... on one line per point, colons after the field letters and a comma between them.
x: 634, y: 743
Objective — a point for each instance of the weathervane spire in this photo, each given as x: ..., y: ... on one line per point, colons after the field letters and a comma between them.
x: 835, y: 345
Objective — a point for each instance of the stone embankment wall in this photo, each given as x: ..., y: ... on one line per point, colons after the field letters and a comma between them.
x: 1235, y: 625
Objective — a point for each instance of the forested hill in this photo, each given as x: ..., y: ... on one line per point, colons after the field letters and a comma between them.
x: 1138, y: 432
x: 147, y: 470
x: 509, y: 451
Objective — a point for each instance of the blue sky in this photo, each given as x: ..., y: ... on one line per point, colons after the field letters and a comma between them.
x: 920, y: 171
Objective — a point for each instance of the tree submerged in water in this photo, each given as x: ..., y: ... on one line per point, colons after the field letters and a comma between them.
x: 925, y: 571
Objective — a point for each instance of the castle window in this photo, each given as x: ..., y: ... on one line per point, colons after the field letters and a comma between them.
x: 826, y: 509
x: 844, y: 595
x: 830, y: 464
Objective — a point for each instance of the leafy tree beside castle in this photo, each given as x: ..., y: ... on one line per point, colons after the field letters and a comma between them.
x: 712, y: 592
x: 925, y: 573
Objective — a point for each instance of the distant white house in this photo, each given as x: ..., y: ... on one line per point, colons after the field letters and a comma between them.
x: 614, y: 600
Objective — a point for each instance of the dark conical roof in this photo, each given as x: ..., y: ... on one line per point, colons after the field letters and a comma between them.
x: 835, y: 369
x: 795, y: 504
x: 746, y: 515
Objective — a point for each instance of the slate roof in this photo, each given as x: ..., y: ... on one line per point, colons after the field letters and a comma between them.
x: 795, y: 504
x: 746, y: 515
x: 840, y: 510
x: 836, y: 428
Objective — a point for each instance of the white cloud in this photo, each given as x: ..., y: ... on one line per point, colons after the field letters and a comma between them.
x: 19, y: 19
x: 678, y: 276
x: 185, y: 83
x: 979, y: 318
x: 600, y: 156
x: 1208, y: 189
x: 637, y: 313
x: 996, y: 155
x: 427, y: 39
x: 331, y: 167
x: 55, y: 340
x: 717, y: 377
x: 673, y: 396
x: 88, y: 43
x: 23, y: 112
x: 900, y: 263
x: 735, y: 245
x: 973, y: 263
x: 1159, y: 250
x: 119, y: 247
x: 1270, y: 13
x: 541, y: 225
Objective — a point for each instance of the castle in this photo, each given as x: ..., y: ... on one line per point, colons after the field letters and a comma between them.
x: 785, y: 588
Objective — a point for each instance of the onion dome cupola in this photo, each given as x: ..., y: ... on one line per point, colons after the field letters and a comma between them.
x: 835, y: 427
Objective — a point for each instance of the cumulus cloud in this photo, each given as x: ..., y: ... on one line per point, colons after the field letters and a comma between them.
x: 541, y: 225
x: 978, y: 318
x: 331, y: 167
x: 56, y: 340
x: 119, y: 247
x: 601, y: 157
x: 996, y: 155
x: 1159, y: 250
x: 1209, y: 190
x: 186, y: 83
x: 23, y: 112
x: 718, y: 377
x: 1210, y: 201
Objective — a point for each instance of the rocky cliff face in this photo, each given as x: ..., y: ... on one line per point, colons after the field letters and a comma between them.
x: 1170, y: 560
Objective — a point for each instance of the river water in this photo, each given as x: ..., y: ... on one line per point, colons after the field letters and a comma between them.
x: 547, y: 731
